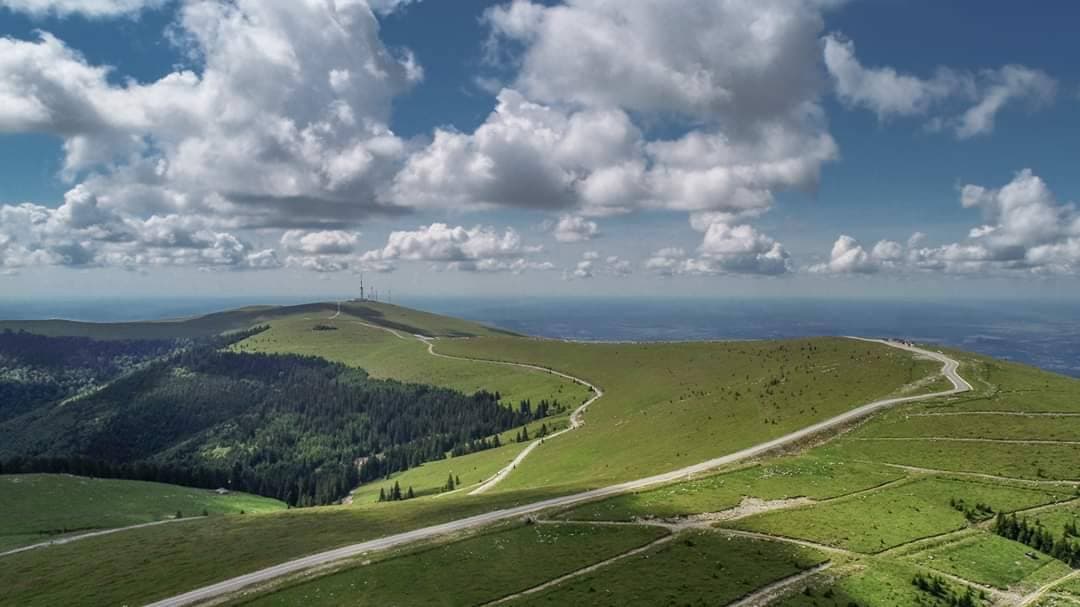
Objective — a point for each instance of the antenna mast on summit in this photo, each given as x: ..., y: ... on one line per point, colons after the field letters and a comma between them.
x: 361, y: 287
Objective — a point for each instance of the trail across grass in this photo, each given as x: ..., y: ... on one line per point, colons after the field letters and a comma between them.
x: 696, y: 569
x: 356, y: 343
x: 430, y: 478
x: 805, y: 476
x: 469, y: 572
x: 142, y: 565
x: 876, y: 521
x: 40, y: 507
x: 990, y: 559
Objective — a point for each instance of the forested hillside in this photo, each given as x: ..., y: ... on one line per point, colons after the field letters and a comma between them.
x: 37, y: 370
x: 301, y: 429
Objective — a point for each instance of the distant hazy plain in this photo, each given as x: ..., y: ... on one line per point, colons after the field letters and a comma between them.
x: 1046, y: 334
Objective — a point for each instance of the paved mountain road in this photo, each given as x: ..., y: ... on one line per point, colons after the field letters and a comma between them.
x: 949, y: 370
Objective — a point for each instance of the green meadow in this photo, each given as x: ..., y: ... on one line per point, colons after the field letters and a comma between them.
x: 697, y: 568
x: 876, y: 521
x: 804, y: 476
x: 671, y: 405
x: 39, y: 507
x: 989, y: 559
x: 468, y: 572
x: 884, y: 583
x: 142, y: 565
x: 384, y: 355
x: 1040, y: 462
x: 429, y: 479
x: 988, y: 426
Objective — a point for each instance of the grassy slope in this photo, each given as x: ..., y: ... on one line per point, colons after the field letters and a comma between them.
x: 990, y: 559
x: 880, y: 583
x: 38, y: 507
x: 672, y: 405
x: 146, y: 564
x: 383, y: 355
x: 978, y: 426
x: 1001, y: 387
x: 472, y: 469
x: 429, y: 478
x: 1055, y: 519
x: 1072, y: 587
x: 804, y: 476
x: 696, y: 569
x: 418, y: 322
x: 469, y: 572
x: 879, y: 520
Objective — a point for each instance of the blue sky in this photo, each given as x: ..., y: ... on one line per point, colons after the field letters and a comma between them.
x: 716, y: 148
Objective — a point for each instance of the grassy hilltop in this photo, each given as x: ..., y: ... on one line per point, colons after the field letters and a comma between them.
x: 898, y: 510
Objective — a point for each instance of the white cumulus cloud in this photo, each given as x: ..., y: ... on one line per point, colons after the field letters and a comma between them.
x: 887, y: 92
x: 284, y: 125
x: 1025, y: 229
x: 740, y: 80
x: 574, y: 228
x: 725, y: 249
x: 86, y: 8
x: 479, y: 248
x: 321, y: 242
x: 592, y: 264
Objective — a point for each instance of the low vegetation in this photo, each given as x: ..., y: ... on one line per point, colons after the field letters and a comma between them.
x: 805, y: 476
x: 472, y: 571
x: 403, y: 357
x: 144, y: 565
x: 876, y: 521
x: 1040, y: 462
x: 988, y: 559
x: 670, y: 405
x: 700, y: 568
x: 40, y: 507
x: 875, y: 583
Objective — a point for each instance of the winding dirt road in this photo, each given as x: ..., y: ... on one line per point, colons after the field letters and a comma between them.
x: 576, y: 418
x: 949, y: 370
x: 99, y: 533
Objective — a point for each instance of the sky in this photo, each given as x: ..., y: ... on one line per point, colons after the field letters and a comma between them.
x: 585, y: 147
